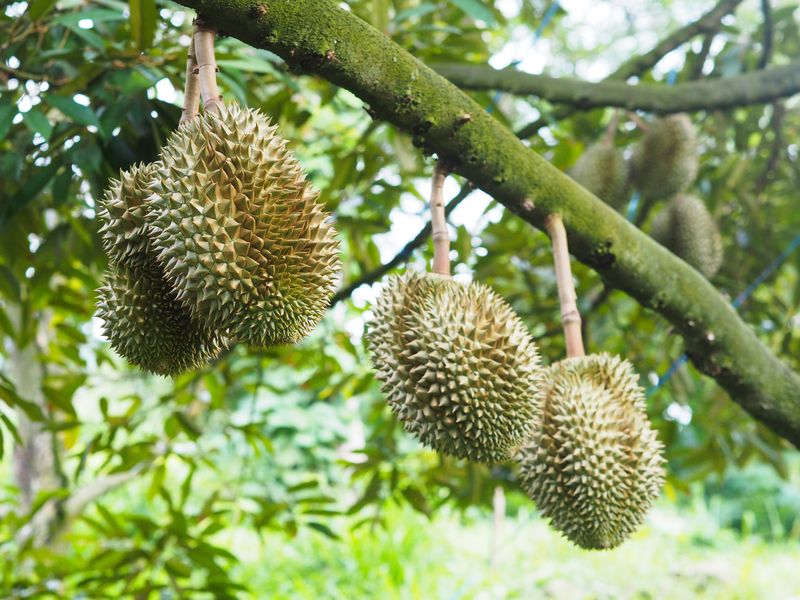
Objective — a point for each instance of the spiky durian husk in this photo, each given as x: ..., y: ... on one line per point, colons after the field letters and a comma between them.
x: 123, y: 227
x: 239, y: 232
x: 456, y: 364
x: 687, y: 228
x: 147, y: 325
x: 593, y: 464
x: 602, y: 170
x: 665, y: 162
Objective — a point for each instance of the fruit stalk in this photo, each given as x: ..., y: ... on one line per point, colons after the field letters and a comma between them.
x: 441, y: 237
x: 191, y: 90
x: 207, y: 68
x: 567, y: 298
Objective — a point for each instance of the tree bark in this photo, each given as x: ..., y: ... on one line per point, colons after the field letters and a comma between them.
x: 36, y: 458
x: 319, y: 37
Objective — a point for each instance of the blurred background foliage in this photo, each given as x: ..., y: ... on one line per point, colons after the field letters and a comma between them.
x: 280, y: 472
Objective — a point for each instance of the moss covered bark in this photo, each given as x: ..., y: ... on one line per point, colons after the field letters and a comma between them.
x: 319, y: 37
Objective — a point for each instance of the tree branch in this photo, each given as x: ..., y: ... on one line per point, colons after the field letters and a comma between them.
x: 708, y: 24
x: 757, y: 87
x: 320, y: 37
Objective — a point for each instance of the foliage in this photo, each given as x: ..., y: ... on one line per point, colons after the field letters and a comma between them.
x: 298, y: 441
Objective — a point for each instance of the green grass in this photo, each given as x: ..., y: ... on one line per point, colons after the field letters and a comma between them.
x: 673, y: 556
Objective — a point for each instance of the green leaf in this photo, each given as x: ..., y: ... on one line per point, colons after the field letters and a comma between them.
x: 7, y: 114
x: 143, y: 22
x: 9, y: 286
x: 38, y: 123
x: 38, y: 8
x: 477, y: 10
x: 83, y: 115
x: 417, y: 500
x: 29, y: 191
x: 323, y: 529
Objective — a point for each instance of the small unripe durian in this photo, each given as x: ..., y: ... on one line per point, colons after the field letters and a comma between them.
x: 665, y: 160
x: 123, y: 226
x: 687, y: 228
x: 593, y: 464
x: 239, y: 232
x: 602, y: 170
x: 147, y: 325
x: 457, y: 366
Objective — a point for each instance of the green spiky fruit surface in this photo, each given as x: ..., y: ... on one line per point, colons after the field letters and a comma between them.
x: 593, y: 465
x: 239, y: 232
x: 123, y: 226
x: 602, y: 170
x: 687, y: 228
x: 665, y: 161
x: 456, y: 364
x: 146, y: 324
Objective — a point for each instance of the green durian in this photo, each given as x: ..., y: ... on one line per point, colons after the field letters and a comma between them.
x: 146, y: 324
x: 593, y: 464
x: 456, y: 364
x: 123, y: 226
x: 239, y: 232
x: 687, y: 228
x: 602, y: 170
x: 665, y: 161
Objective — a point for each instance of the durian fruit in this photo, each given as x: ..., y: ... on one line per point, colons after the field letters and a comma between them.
x: 687, y: 228
x: 602, y: 170
x: 593, y: 464
x: 146, y: 324
x: 457, y: 366
x: 665, y: 161
x: 123, y: 229
x: 239, y: 232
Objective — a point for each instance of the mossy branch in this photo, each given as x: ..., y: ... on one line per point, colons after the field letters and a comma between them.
x: 319, y: 37
x: 758, y: 87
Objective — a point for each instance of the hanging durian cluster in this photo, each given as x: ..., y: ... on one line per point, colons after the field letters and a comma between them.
x: 222, y: 240
x: 665, y: 161
x: 462, y: 373
x: 687, y: 228
x: 593, y: 464
x: 663, y: 164
x: 239, y: 231
x: 457, y: 366
x: 602, y: 170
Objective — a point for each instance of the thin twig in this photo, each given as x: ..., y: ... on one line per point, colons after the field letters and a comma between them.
x: 207, y: 69
x: 709, y: 22
x: 440, y: 234
x: 567, y: 298
x: 769, y: 34
x: 191, y: 92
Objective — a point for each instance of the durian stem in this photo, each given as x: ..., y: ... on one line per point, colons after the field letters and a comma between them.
x: 191, y: 90
x: 611, y: 130
x: 640, y: 123
x: 207, y: 69
x: 567, y: 298
x: 441, y: 237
